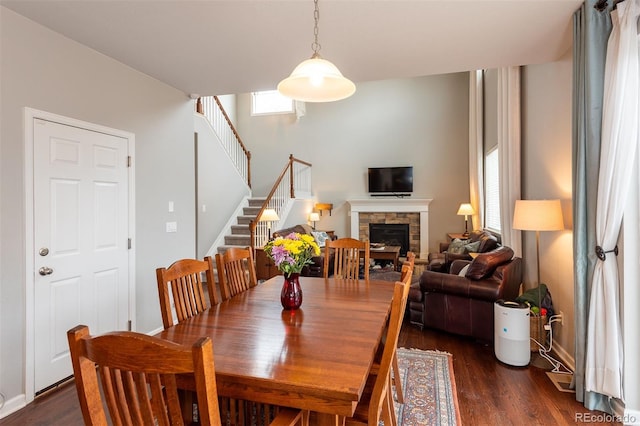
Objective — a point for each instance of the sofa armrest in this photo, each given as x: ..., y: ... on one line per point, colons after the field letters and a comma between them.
x: 444, y: 247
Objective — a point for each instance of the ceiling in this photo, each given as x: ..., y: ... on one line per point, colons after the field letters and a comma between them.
x: 212, y: 47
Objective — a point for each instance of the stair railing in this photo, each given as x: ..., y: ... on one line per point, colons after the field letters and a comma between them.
x: 212, y: 109
x: 294, y: 178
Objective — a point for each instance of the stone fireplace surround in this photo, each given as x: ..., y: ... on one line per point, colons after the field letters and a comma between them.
x: 415, y: 212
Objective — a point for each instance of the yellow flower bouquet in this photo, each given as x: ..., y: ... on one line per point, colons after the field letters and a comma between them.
x: 292, y: 253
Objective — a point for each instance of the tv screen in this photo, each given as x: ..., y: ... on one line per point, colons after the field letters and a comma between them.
x: 390, y: 180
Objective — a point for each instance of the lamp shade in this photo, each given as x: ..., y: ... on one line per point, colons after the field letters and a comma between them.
x: 314, y: 217
x: 465, y: 210
x: 316, y: 80
x: 269, y: 215
x: 538, y: 215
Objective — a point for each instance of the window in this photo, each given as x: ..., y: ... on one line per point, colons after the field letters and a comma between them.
x: 270, y: 102
x: 492, y: 190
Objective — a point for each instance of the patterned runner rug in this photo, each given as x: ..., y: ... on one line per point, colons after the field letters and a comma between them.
x: 430, y: 389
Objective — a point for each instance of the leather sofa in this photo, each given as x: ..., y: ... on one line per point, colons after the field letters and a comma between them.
x: 316, y: 268
x: 482, y: 241
x: 464, y: 304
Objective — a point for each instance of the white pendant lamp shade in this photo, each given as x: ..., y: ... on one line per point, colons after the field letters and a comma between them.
x: 316, y: 80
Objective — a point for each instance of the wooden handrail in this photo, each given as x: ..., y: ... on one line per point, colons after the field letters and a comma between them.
x: 233, y: 128
x: 288, y: 167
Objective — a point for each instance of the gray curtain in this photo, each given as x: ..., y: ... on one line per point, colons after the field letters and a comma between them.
x: 592, y: 26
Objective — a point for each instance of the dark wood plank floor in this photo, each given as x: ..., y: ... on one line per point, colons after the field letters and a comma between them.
x: 489, y: 392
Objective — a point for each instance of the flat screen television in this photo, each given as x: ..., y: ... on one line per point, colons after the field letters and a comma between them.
x: 390, y: 180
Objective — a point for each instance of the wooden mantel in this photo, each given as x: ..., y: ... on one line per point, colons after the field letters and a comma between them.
x: 397, y: 205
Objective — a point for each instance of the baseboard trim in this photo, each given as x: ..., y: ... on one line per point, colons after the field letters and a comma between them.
x: 12, y: 405
x: 565, y: 357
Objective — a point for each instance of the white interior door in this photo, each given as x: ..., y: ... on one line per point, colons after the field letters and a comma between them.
x: 80, y: 239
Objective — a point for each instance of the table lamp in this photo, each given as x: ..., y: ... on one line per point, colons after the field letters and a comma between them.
x: 269, y: 216
x: 314, y: 217
x: 466, y: 210
x: 538, y: 215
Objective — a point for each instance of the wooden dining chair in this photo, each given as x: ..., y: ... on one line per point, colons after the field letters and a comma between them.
x: 183, y: 281
x: 376, y: 402
x: 134, y: 376
x: 405, y: 276
x: 411, y: 259
x: 347, y: 258
x: 236, y: 271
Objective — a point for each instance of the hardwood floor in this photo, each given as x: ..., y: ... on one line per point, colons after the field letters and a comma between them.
x: 489, y: 392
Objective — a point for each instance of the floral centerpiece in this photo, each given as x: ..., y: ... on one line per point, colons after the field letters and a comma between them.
x: 290, y: 254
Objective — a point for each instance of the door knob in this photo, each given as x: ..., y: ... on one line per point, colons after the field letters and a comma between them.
x: 45, y: 270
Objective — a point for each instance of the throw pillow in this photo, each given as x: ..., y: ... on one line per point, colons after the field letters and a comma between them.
x: 463, y: 271
x: 320, y: 237
x: 484, y: 265
x: 472, y: 247
x: 457, y: 246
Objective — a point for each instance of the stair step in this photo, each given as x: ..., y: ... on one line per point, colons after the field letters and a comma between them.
x: 256, y: 202
x: 222, y: 249
x: 237, y: 240
x: 251, y: 210
x: 240, y: 230
x: 246, y: 219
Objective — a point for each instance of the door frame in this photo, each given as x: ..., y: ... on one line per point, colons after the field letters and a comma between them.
x: 30, y: 115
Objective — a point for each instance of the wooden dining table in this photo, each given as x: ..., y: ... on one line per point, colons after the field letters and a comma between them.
x: 315, y: 358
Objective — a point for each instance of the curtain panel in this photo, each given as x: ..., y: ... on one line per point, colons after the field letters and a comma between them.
x: 591, y: 28
x: 476, y: 147
x: 509, y: 148
x: 620, y: 109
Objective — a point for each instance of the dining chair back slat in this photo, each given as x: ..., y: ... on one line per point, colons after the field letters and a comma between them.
x: 183, y: 282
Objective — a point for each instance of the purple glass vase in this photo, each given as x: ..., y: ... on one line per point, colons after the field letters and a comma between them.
x: 291, y: 294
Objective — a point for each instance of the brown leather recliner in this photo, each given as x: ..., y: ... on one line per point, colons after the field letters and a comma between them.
x: 464, y: 304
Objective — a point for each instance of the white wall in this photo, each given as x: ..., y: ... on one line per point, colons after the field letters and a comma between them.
x: 46, y: 71
x: 546, y: 174
x: 420, y: 122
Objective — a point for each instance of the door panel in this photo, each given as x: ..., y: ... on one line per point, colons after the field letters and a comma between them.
x: 81, y: 217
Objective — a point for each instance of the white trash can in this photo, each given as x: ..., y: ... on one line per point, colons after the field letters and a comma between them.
x: 511, y: 338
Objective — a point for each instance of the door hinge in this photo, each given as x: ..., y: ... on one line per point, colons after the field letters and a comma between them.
x: 129, y: 325
x: 128, y: 161
x: 129, y: 243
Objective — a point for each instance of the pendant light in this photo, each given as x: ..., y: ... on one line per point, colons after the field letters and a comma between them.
x: 316, y: 79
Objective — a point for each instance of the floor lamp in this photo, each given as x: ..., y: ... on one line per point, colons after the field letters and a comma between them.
x: 538, y: 215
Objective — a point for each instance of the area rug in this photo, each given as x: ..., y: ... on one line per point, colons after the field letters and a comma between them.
x: 430, y: 389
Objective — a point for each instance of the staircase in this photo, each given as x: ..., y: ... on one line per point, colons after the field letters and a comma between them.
x: 295, y: 179
x: 241, y: 233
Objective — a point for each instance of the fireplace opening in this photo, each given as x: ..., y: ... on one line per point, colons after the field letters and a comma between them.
x: 390, y: 234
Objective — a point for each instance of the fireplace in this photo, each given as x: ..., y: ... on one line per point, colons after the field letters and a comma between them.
x: 390, y: 234
x: 413, y: 211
